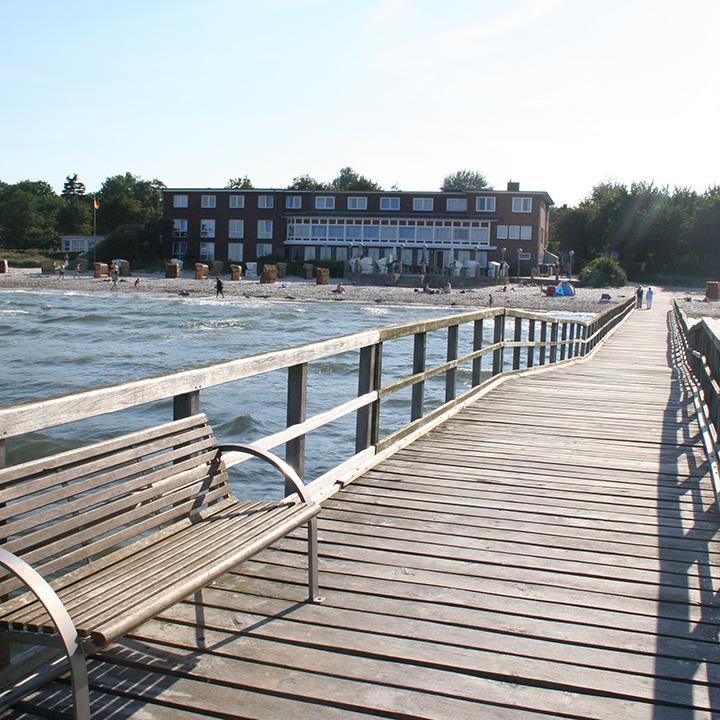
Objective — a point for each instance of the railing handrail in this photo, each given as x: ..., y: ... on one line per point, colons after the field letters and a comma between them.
x: 33, y: 415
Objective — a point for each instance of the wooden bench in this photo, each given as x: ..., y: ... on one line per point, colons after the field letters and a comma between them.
x: 122, y: 530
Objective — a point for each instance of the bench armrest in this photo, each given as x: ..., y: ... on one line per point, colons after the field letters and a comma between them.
x: 42, y: 590
x: 287, y: 470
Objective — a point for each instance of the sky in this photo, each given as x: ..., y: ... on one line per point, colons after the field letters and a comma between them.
x: 558, y: 95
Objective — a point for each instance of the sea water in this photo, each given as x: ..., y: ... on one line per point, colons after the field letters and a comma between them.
x: 53, y: 343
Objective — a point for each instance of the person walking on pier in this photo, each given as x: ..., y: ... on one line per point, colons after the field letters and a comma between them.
x: 649, y: 298
x: 639, y: 298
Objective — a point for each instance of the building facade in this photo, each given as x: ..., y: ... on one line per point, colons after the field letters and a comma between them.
x: 434, y: 229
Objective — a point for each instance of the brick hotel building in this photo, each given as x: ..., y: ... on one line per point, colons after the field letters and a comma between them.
x: 413, y: 227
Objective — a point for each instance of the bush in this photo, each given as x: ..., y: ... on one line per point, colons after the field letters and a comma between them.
x: 603, y: 272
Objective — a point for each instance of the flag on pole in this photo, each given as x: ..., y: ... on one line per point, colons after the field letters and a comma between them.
x: 96, y: 204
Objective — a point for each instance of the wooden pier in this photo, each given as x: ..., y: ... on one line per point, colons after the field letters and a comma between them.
x: 547, y: 552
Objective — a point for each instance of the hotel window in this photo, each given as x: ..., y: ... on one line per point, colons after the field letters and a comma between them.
x: 319, y: 232
x: 522, y: 205
x: 236, y: 228
x: 309, y: 253
x: 324, y: 202
x: 236, y: 252
x: 264, y: 229
x: 341, y: 254
x: 481, y: 236
x: 207, y: 201
x: 237, y: 201
x: 424, y: 204
x: 180, y: 227
x: 406, y: 233
x: 526, y: 232
x: 324, y: 252
x: 207, y: 250
x: 502, y: 232
x: 514, y: 232
x: 265, y: 202
x: 357, y: 203
x: 263, y: 250
x: 353, y: 232
x: 293, y: 202
x: 179, y: 248
x: 390, y: 203
x: 207, y: 228
x: 456, y: 205
x: 485, y: 204
x: 180, y: 200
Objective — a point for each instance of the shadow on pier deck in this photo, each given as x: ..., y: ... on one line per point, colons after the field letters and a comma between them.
x: 548, y: 552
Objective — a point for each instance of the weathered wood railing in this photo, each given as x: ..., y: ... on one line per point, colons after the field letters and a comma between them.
x: 703, y: 347
x: 547, y: 341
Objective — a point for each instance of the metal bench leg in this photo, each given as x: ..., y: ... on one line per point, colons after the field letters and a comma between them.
x: 313, y: 562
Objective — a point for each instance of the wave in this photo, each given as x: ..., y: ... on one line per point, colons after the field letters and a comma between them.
x: 10, y: 313
x: 209, y: 325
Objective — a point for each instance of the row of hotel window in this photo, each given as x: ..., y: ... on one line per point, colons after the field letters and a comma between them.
x: 327, y: 202
x: 408, y: 256
x: 339, y: 231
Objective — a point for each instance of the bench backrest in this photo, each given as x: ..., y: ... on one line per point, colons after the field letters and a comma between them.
x: 60, y: 511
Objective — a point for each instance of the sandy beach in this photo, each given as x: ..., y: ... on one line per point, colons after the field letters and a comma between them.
x: 587, y: 300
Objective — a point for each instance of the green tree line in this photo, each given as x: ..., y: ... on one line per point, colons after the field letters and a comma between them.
x: 651, y: 230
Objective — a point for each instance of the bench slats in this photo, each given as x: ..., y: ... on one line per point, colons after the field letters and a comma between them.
x: 70, y: 457
x: 60, y: 485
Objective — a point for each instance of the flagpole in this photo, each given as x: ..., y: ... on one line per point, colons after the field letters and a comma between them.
x: 95, y: 203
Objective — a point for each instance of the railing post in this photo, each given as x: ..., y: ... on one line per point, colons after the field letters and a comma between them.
x: 517, y: 337
x: 4, y: 642
x: 498, y: 337
x: 186, y: 405
x: 296, y: 413
x: 367, y: 425
x: 583, y: 337
x: 477, y: 345
x: 553, y: 341
x: 563, y: 347
x: 543, y: 339
x: 418, y: 389
x: 571, y: 338
x: 452, y: 353
x: 531, y: 339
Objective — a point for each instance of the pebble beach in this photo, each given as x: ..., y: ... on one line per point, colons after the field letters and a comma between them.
x: 587, y: 300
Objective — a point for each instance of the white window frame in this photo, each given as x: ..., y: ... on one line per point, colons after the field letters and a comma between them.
x: 390, y: 203
x: 236, y: 202
x: 180, y: 248
x: 463, y: 201
x: 526, y: 232
x: 422, y: 204
x: 488, y: 202
x: 208, y: 201
x: 266, y: 202
x: 522, y: 204
x: 263, y: 249
x: 180, y: 201
x: 502, y: 232
x: 293, y: 202
x: 236, y: 252
x: 309, y: 253
x: 265, y: 229
x: 238, y: 232
x: 325, y: 202
x: 207, y: 251
x: 207, y: 228
x: 514, y: 232
x: 357, y: 202
x: 180, y: 227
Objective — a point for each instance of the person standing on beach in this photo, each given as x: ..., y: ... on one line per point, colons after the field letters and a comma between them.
x: 639, y: 298
x: 649, y: 298
x: 219, y: 288
x: 114, y: 276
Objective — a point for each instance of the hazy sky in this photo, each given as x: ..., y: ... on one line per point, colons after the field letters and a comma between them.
x: 556, y: 94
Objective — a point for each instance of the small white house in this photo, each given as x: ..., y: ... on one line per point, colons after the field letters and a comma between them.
x: 79, y: 243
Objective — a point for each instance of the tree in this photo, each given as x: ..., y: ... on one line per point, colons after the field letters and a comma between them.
x: 603, y: 272
x: 239, y: 183
x: 306, y: 182
x: 128, y: 200
x: 28, y: 214
x: 72, y: 187
x: 348, y: 179
x: 463, y: 180
x: 75, y: 216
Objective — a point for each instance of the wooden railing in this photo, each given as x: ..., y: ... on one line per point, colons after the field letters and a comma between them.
x: 521, y: 342
x: 703, y: 348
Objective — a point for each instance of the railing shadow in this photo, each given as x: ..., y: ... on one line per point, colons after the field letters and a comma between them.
x: 676, y: 591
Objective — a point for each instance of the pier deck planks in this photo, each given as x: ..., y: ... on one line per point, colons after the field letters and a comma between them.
x: 549, y: 552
